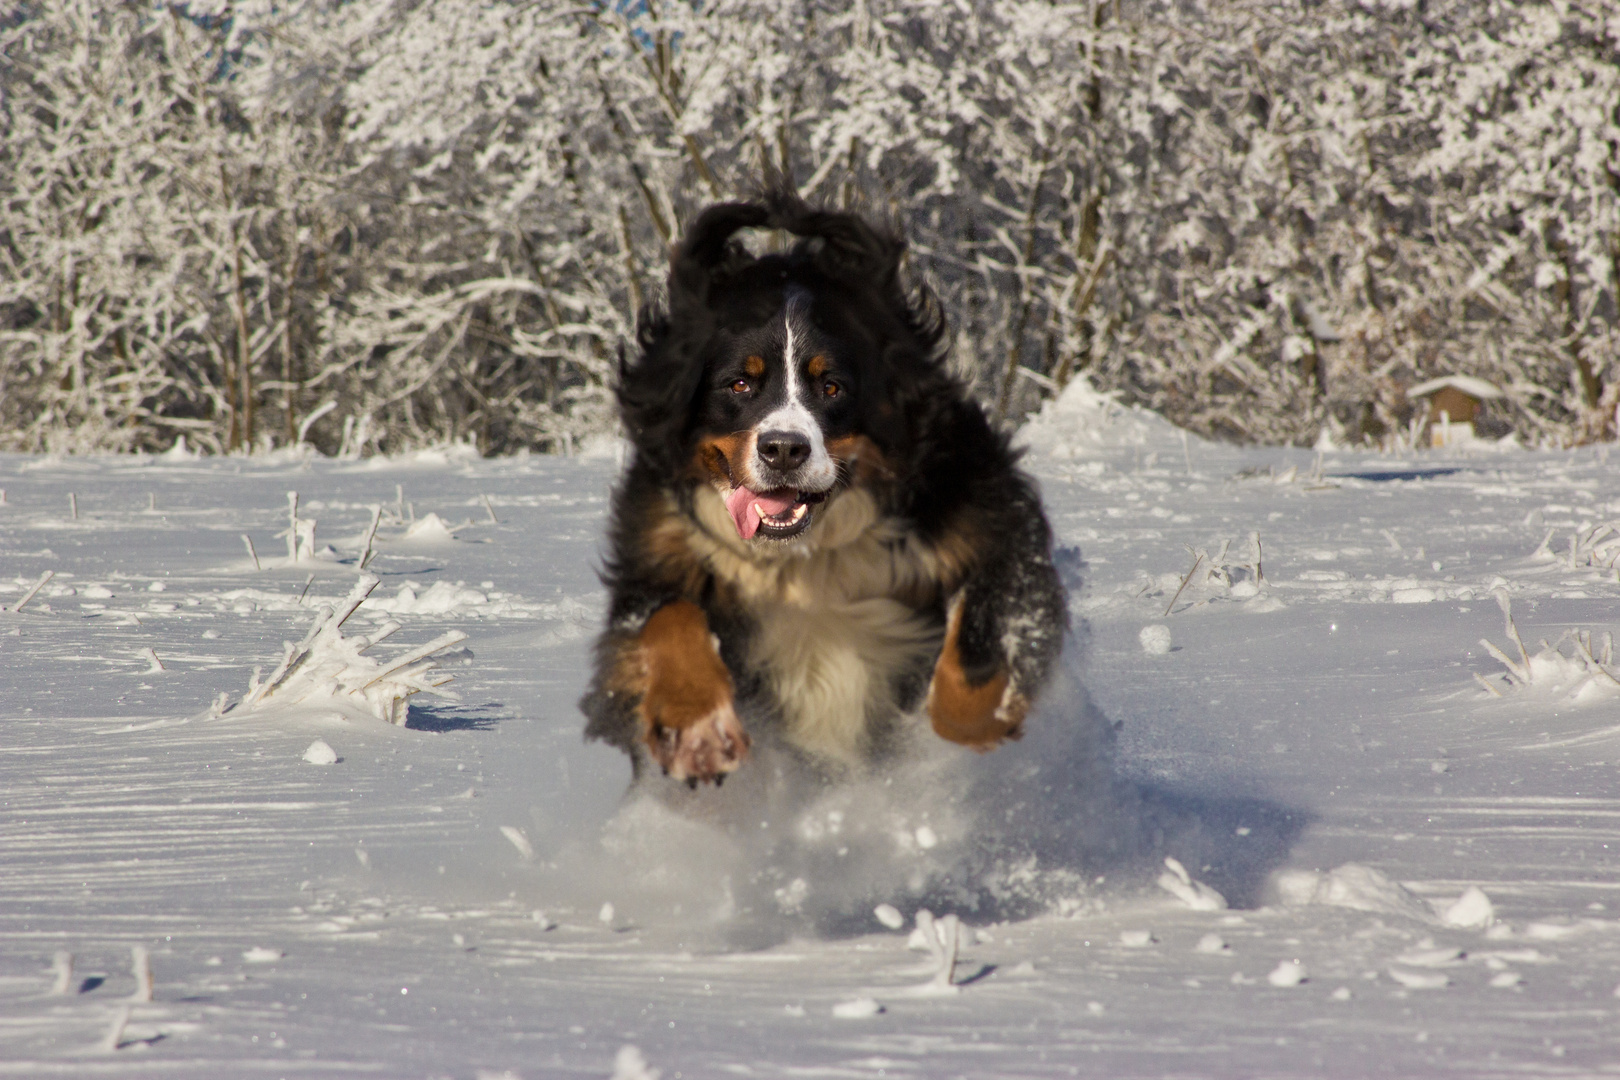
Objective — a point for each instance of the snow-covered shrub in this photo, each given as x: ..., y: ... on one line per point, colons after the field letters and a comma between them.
x: 1573, y: 667
x: 332, y: 672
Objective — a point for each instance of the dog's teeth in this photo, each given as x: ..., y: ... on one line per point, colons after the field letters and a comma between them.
x: 793, y: 517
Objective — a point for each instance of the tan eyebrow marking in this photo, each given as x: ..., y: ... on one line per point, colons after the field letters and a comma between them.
x: 817, y: 367
x: 755, y: 366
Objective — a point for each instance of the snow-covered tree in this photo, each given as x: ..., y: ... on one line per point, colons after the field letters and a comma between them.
x: 1343, y: 199
x: 151, y: 203
x: 378, y: 223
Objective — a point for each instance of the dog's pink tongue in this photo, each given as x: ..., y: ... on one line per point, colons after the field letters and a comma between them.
x: 742, y: 502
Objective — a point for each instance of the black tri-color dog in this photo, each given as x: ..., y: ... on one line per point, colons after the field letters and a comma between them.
x: 820, y: 539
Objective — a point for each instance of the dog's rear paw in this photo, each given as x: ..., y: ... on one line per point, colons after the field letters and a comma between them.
x: 705, y: 750
x: 979, y: 717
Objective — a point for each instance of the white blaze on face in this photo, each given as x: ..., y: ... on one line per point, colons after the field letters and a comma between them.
x: 793, y: 415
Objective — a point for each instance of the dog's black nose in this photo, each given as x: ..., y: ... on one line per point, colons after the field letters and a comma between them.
x: 783, y: 450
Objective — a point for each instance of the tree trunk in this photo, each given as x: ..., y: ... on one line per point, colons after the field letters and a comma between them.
x: 1026, y: 299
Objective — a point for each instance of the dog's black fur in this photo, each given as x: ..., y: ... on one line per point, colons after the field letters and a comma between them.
x: 843, y: 364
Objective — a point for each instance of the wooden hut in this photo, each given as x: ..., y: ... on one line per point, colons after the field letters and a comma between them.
x: 1455, y: 403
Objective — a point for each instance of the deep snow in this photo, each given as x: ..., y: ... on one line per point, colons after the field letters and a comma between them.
x: 467, y: 897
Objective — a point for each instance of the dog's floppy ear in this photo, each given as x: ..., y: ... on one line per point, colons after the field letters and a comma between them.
x: 657, y: 389
x: 708, y: 252
x: 849, y: 245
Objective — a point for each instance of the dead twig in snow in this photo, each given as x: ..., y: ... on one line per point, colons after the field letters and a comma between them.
x: 1544, y: 548
x: 141, y: 967
x: 115, y: 1032
x: 943, y: 939
x: 29, y: 595
x: 62, y: 968
x: 371, y: 534
x: 1584, y: 647
x: 1506, y: 604
x: 1196, y: 563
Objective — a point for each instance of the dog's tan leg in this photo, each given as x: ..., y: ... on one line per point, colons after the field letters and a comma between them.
x: 977, y: 715
x: 686, y: 711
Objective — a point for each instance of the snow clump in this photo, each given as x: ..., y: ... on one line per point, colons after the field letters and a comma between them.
x: 1287, y: 973
x: 1360, y: 888
x: 430, y: 529
x: 1472, y: 910
x: 1155, y: 639
x: 630, y: 1065
x: 320, y: 753
x: 1195, y: 894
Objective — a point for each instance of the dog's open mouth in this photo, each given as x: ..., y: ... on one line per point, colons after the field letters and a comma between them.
x: 777, y: 515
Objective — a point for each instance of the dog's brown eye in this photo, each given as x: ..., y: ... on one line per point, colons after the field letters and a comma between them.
x: 741, y: 386
x: 831, y: 389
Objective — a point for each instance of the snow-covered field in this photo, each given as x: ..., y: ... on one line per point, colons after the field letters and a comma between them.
x: 1419, y: 872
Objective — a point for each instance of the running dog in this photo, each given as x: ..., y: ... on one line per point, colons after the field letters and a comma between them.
x: 820, y: 538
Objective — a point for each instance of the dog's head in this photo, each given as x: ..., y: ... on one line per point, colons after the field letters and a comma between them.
x: 777, y: 420
x: 781, y: 379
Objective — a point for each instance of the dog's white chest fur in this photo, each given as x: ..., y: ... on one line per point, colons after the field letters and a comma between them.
x: 833, y: 662
x: 832, y: 638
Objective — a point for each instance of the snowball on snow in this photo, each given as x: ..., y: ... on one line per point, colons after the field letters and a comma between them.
x: 320, y: 753
x: 858, y: 1009
x: 1472, y: 910
x: 1155, y: 639
x: 630, y: 1065
x: 1287, y: 973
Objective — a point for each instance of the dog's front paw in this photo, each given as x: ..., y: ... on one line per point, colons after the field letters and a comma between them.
x: 687, y: 719
x: 706, y: 749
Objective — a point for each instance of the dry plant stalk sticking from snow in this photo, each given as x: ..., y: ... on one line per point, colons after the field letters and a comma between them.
x: 299, y: 533
x: 1570, y: 674
x: 62, y: 969
x: 141, y: 968
x: 29, y: 595
x: 1597, y: 547
x: 1238, y: 580
x: 327, y: 667
x: 942, y: 938
x: 371, y: 534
